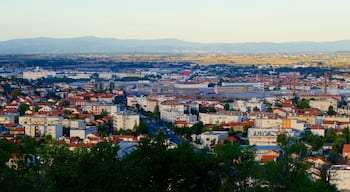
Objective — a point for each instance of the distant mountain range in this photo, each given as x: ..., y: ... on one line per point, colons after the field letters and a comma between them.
x: 109, y: 45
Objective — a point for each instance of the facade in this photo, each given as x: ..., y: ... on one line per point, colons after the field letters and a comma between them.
x: 97, y: 108
x: 38, y: 73
x: 221, y: 117
x: 82, y: 132
x: 339, y: 175
x: 125, y: 120
x: 323, y: 105
x: 73, y: 123
x: 169, y: 111
x: 7, y: 119
x: 38, y: 126
x: 209, y: 139
x: 227, y: 88
x: 263, y: 136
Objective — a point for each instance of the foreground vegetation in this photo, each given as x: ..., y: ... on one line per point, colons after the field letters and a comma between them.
x: 50, y: 166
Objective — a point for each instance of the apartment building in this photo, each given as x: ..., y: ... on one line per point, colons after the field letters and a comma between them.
x: 125, y: 120
x: 38, y: 126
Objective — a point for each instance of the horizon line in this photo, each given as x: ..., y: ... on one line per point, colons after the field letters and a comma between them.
x: 171, y: 38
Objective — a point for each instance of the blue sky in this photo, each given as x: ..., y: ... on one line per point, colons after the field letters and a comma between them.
x: 191, y: 20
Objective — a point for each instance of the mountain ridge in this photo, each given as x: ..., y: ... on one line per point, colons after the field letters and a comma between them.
x: 92, y: 44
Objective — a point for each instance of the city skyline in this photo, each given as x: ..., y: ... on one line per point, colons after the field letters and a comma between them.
x: 196, y: 21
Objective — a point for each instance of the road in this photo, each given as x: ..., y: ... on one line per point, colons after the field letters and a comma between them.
x: 153, y: 127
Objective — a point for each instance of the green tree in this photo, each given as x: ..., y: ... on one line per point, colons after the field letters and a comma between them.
x: 23, y: 108
x: 156, y: 113
x: 331, y: 110
x: 103, y: 130
x: 227, y: 107
x: 282, y: 139
x: 67, y: 112
x: 303, y: 104
x: 16, y: 92
x: 142, y: 128
x: 198, y: 127
x: 212, y: 109
x: 330, y: 135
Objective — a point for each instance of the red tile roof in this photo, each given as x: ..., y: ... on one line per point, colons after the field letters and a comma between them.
x: 266, y: 158
x: 346, y: 148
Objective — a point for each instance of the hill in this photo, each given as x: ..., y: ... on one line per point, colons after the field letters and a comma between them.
x: 109, y: 45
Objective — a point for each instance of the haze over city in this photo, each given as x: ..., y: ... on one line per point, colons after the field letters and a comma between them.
x: 224, y: 21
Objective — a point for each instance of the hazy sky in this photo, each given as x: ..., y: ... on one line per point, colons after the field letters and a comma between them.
x: 191, y: 20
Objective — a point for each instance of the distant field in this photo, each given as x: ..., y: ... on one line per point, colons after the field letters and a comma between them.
x: 336, y: 60
x: 339, y: 60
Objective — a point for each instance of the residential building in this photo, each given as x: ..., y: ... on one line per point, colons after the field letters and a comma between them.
x: 339, y: 175
x: 37, y: 126
x: 125, y: 120
x: 346, y: 151
x: 221, y: 117
x: 97, y: 108
x: 211, y: 138
x: 82, y: 132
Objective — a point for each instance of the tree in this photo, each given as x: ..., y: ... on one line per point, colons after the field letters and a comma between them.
x: 16, y: 92
x: 142, y: 128
x: 67, y: 112
x: 197, y: 127
x: 103, y: 130
x: 346, y: 134
x: 330, y: 135
x: 227, y: 107
x: 156, y: 113
x: 282, y: 139
x: 331, y: 110
x: 23, y: 108
x: 303, y: 104
x: 212, y: 109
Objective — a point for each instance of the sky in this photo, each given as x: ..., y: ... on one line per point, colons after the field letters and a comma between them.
x: 226, y: 21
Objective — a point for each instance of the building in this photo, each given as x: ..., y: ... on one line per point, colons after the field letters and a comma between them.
x: 227, y: 88
x: 7, y: 119
x: 221, y: 117
x: 211, y: 138
x: 125, y: 120
x: 170, y: 110
x: 339, y: 175
x: 38, y: 73
x: 82, y: 132
x: 346, y: 151
x: 263, y: 136
x: 323, y: 105
x: 318, y: 130
x: 97, y: 108
x: 38, y: 126
x: 73, y: 123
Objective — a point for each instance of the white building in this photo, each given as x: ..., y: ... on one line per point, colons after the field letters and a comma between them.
x: 7, y: 119
x: 38, y: 73
x: 339, y: 175
x: 263, y: 136
x: 97, y: 108
x: 37, y: 126
x: 221, y: 117
x: 74, y: 123
x: 169, y: 111
x: 323, y: 105
x: 125, y: 120
x: 82, y: 132
x: 209, y: 139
